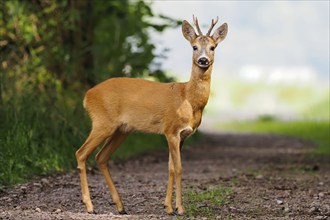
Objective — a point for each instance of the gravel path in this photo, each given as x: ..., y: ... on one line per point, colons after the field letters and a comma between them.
x: 270, y: 178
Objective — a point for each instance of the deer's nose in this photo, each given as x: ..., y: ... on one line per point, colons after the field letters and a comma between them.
x: 203, y: 61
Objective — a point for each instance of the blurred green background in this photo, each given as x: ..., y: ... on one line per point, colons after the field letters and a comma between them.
x: 53, y: 51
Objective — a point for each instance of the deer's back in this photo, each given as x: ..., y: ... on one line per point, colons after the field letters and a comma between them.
x: 137, y: 104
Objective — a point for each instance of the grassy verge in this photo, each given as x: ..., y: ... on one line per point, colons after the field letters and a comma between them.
x: 25, y: 155
x: 38, y: 138
x: 317, y: 132
x: 206, y: 203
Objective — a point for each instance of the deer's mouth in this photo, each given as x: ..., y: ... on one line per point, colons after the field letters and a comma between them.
x: 203, y: 65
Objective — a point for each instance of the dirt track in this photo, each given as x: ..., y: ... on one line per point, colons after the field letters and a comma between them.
x: 269, y: 176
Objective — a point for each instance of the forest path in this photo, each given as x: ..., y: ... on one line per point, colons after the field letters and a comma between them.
x: 269, y: 177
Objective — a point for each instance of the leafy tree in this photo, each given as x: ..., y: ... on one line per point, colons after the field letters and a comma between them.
x: 79, y: 42
x: 50, y: 52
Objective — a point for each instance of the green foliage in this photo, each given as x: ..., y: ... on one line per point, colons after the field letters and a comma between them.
x: 310, y: 101
x: 206, y: 203
x: 51, y: 52
x: 320, y: 107
x: 85, y: 41
x: 38, y: 137
x: 266, y: 117
x: 318, y: 132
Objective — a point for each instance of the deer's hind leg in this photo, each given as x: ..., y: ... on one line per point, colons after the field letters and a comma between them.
x: 95, y: 138
x: 102, y: 158
x: 169, y: 191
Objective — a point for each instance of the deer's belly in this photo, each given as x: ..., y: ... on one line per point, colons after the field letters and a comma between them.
x: 148, y: 123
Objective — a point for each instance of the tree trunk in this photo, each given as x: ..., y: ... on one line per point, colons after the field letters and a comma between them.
x: 83, y: 43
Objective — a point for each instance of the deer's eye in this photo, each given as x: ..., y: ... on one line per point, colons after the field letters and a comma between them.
x: 195, y: 48
x: 212, y: 48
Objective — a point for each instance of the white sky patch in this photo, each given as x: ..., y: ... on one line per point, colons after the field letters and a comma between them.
x: 277, y: 34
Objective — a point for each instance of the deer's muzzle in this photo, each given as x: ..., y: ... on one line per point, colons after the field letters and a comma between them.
x: 203, y: 62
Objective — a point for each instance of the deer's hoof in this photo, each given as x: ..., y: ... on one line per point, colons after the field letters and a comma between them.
x: 169, y: 210
x: 123, y: 212
x: 92, y: 212
x: 174, y: 213
x: 179, y: 212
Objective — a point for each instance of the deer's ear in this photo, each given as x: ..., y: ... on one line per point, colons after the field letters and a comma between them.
x: 188, y: 31
x: 220, y: 33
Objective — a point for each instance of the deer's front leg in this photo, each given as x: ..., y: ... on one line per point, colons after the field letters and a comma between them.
x: 174, y: 148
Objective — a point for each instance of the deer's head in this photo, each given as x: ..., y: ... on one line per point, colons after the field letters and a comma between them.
x: 204, y: 45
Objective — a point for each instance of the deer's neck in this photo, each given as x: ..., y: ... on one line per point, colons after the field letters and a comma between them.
x: 198, y: 87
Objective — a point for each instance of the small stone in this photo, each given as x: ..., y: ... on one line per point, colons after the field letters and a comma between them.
x: 37, y: 184
x: 45, y: 181
x: 58, y: 211
x: 259, y: 176
x: 320, y: 217
x: 7, y: 199
x: 279, y: 202
x: 17, y: 207
x: 286, y: 207
x: 321, y: 194
x: 38, y: 209
x: 313, y: 209
x: 23, y: 189
x: 321, y: 183
x: 232, y: 208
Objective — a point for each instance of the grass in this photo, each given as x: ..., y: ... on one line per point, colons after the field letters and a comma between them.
x: 315, y: 131
x: 39, y: 138
x: 27, y: 152
x: 206, y: 203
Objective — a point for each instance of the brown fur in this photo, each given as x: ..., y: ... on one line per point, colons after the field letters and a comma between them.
x: 119, y: 106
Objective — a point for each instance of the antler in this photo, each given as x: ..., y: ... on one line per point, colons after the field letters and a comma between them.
x: 212, y: 25
x: 197, y: 26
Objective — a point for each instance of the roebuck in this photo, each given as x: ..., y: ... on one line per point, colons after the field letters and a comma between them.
x: 119, y: 106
